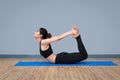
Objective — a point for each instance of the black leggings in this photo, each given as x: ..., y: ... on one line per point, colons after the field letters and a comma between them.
x: 70, y: 58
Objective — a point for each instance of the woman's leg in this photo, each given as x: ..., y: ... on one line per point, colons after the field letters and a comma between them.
x: 82, y: 51
x: 68, y: 58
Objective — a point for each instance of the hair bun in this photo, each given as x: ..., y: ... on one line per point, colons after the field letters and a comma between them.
x: 49, y: 35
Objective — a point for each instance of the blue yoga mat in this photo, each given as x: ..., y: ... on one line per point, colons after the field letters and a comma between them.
x: 84, y: 63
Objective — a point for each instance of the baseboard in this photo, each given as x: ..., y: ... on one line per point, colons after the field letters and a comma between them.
x: 20, y: 56
x: 105, y: 56
x: 39, y: 56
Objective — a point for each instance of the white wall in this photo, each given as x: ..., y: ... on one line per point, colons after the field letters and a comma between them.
x: 98, y: 21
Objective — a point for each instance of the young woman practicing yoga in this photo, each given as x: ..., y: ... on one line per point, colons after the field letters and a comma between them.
x: 44, y: 39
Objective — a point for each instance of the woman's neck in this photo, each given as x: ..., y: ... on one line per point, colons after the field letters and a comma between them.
x: 38, y: 40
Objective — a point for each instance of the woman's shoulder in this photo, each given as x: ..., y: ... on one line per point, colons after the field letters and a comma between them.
x: 44, y: 42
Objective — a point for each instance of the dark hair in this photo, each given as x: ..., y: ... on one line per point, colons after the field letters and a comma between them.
x: 45, y: 33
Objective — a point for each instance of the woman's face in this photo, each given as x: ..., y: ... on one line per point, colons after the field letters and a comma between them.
x: 37, y: 34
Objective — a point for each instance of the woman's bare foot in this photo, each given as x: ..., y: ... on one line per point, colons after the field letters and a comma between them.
x: 75, y: 31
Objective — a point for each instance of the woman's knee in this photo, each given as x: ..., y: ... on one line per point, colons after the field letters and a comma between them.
x: 85, y: 56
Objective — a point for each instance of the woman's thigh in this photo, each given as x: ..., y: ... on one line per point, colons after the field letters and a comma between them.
x: 68, y: 58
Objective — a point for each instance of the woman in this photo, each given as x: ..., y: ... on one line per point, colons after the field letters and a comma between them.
x: 44, y: 39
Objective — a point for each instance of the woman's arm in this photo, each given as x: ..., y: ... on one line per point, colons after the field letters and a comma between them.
x: 56, y: 38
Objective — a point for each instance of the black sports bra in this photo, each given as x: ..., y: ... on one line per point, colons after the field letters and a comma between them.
x: 47, y: 52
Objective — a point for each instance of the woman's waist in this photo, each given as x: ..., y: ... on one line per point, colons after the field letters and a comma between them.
x: 51, y: 58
